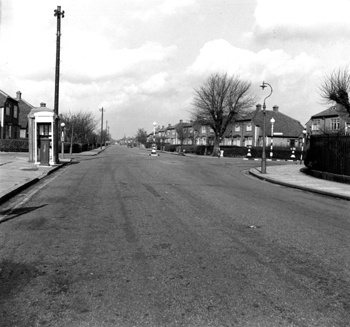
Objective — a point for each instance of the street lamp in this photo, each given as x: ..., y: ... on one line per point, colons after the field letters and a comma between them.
x: 62, y: 139
x: 263, y: 157
x: 154, y: 146
x: 302, y: 146
x: 154, y: 132
x: 272, y: 121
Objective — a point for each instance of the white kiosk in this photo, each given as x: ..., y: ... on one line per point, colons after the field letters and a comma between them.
x: 41, y: 125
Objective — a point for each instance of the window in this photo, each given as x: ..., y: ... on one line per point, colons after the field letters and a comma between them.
x: 335, y: 123
x: 237, y: 128
x: 15, y: 132
x: 237, y: 141
x: 248, y: 141
x: 44, y: 129
x: 15, y: 112
x: 211, y: 130
x: 203, y: 129
x: 249, y: 127
x: 8, y: 109
x: 315, y: 125
x: 7, y: 132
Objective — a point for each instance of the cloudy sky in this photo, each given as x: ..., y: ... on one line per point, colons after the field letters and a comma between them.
x: 141, y: 59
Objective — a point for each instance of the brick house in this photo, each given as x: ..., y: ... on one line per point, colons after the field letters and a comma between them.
x: 24, y: 110
x: 333, y: 119
x: 9, y: 117
x: 14, y: 116
x: 248, y: 130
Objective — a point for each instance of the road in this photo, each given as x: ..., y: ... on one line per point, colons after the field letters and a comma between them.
x: 126, y: 239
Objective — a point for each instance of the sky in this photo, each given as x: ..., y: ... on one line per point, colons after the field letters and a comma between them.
x: 142, y: 59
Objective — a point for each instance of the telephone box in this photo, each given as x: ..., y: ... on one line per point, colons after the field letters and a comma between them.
x: 41, y: 135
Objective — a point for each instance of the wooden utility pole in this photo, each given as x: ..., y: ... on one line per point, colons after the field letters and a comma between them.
x: 106, y: 138
x: 58, y: 14
x: 101, y: 125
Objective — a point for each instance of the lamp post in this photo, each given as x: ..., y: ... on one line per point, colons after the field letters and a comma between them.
x: 154, y: 132
x: 154, y: 146
x: 272, y: 121
x: 263, y: 157
x: 62, y: 139
x: 302, y: 146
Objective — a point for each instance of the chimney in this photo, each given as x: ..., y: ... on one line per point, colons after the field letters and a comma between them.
x: 169, y: 125
x: 275, y: 108
x: 180, y: 121
x: 42, y: 104
x: 258, y: 107
x: 18, y: 95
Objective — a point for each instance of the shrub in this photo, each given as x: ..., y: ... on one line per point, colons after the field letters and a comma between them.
x: 11, y: 145
x: 204, y: 149
x: 234, y: 151
x: 170, y: 147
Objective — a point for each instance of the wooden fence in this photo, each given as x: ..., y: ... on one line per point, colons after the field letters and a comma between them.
x: 329, y: 153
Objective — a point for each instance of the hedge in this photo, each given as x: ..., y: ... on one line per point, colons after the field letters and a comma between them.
x: 11, y: 145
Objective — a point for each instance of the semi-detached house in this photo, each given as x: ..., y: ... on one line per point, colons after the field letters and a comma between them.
x: 333, y: 119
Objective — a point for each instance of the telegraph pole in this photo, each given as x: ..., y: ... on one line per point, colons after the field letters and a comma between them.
x: 106, y: 138
x: 101, y: 125
x: 58, y: 14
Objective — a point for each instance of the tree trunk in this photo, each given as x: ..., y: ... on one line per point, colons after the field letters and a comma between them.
x: 71, y: 145
x: 216, y: 147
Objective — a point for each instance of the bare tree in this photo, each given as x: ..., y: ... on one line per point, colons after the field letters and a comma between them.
x: 80, y: 127
x: 182, y: 134
x: 219, y: 101
x: 335, y: 88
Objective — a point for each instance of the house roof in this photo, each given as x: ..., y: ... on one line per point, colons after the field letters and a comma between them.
x: 334, y: 111
x: 24, y: 110
x: 23, y: 106
x: 3, y: 97
x: 283, y: 123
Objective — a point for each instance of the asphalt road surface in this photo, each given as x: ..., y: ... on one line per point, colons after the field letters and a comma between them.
x: 126, y: 239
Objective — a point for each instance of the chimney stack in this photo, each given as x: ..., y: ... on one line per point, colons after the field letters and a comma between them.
x: 275, y: 108
x: 42, y: 104
x: 258, y: 107
x: 18, y: 95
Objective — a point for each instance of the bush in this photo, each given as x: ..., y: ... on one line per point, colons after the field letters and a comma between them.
x: 188, y: 148
x: 281, y: 153
x: 10, y: 145
x: 234, y: 151
x: 204, y: 149
x: 170, y: 147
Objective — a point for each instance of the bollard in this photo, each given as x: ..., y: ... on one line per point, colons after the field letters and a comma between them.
x: 292, y: 155
x: 249, y: 153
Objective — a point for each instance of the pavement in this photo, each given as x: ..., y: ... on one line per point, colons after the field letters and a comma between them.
x: 16, y: 174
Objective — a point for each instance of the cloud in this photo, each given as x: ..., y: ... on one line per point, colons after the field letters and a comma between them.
x: 220, y: 55
x: 301, y: 19
x: 162, y: 9
x: 155, y: 83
